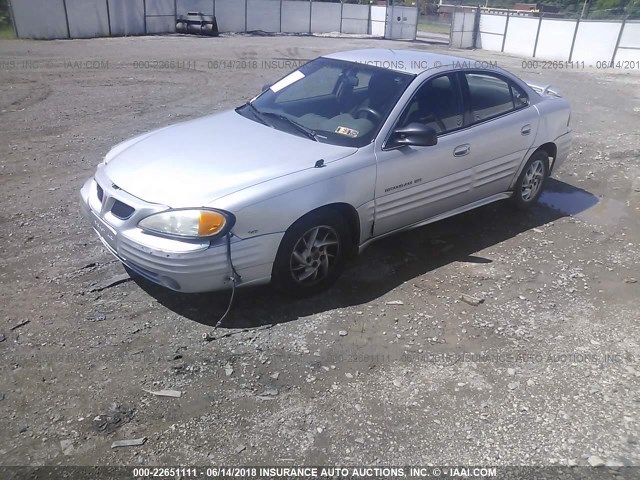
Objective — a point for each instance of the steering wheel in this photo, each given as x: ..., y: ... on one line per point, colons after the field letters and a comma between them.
x: 368, y: 110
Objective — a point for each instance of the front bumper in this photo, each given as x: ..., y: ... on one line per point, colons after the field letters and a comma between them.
x: 183, y: 265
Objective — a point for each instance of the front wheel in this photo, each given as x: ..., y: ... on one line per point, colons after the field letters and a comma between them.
x: 530, y: 182
x: 312, y: 254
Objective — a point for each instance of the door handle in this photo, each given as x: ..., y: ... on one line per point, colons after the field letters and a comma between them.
x: 526, y: 130
x: 461, y: 150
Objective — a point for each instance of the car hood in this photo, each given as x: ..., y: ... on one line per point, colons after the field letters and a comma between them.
x: 196, y: 162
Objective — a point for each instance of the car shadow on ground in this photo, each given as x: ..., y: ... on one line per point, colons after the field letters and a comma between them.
x: 383, y: 266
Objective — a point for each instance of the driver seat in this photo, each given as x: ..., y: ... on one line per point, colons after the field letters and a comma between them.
x: 379, y: 92
x: 433, y: 105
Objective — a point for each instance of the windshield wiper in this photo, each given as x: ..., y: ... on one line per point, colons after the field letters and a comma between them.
x: 301, y: 128
x: 256, y: 113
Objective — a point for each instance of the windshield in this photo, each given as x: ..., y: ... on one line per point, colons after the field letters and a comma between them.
x: 330, y: 101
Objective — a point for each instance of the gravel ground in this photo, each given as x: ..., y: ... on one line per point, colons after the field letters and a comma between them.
x: 392, y: 366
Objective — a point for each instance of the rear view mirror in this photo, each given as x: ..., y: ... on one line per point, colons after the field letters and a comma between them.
x: 416, y: 134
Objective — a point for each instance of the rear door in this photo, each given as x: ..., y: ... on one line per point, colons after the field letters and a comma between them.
x: 501, y: 126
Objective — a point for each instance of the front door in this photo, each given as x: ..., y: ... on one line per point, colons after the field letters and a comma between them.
x: 416, y: 183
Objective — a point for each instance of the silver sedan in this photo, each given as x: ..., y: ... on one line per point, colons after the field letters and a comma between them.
x: 347, y: 149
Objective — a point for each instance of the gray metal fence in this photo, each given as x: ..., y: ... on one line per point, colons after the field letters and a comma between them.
x: 49, y: 19
x: 596, y: 43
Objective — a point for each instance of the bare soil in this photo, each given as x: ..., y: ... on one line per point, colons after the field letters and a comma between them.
x: 543, y: 371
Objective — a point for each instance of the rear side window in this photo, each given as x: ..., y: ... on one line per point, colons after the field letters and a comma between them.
x: 492, y: 96
x: 520, y: 99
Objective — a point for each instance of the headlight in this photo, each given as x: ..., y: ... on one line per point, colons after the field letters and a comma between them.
x: 188, y: 223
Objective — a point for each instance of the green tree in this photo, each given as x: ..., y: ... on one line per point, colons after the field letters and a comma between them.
x: 573, y: 8
x: 633, y: 9
x: 606, y: 8
x: 4, y: 13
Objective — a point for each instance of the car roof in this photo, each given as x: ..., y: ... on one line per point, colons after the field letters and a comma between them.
x: 408, y: 61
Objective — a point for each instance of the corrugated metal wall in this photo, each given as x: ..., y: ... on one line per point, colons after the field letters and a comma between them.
x: 49, y: 19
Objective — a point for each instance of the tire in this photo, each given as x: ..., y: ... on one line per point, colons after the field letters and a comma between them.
x: 301, y: 269
x: 531, y: 180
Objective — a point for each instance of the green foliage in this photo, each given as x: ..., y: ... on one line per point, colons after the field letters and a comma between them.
x: 633, y: 9
x: 614, y: 9
x: 617, y: 9
x: 4, y: 13
x: 6, y: 32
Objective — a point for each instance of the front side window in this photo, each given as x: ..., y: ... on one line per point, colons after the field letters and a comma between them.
x: 331, y: 101
x: 491, y: 96
x: 436, y: 104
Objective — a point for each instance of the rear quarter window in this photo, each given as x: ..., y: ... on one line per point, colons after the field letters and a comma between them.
x: 520, y: 99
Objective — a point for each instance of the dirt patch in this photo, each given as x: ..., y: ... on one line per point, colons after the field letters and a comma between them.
x: 392, y: 366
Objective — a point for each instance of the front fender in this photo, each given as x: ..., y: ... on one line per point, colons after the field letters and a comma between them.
x: 274, y: 206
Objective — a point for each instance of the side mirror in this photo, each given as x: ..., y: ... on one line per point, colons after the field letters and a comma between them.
x: 266, y: 87
x: 416, y: 134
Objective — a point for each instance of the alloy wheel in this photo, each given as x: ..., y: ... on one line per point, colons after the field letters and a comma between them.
x: 314, y: 255
x: 532, y: 181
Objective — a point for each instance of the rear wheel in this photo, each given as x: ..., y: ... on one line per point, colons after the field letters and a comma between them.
x: 312, y: 254
x: 531, y: 181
